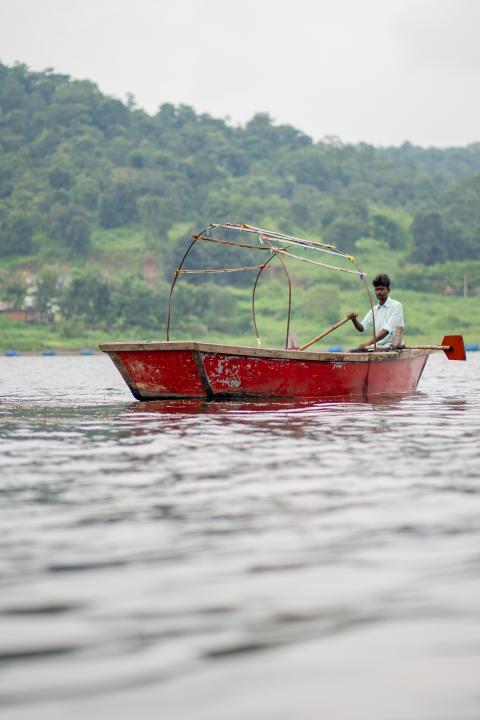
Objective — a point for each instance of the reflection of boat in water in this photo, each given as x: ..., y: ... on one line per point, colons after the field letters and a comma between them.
x: 197, y: 406
x: 192, y: 369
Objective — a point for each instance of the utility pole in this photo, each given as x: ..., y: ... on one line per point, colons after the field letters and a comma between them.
x: 465, y: 285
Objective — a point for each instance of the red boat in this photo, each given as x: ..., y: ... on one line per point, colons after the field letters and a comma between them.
x: 202, y: 370
x: 190, y: 369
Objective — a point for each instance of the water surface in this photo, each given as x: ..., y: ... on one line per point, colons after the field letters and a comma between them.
x: 231, y: 560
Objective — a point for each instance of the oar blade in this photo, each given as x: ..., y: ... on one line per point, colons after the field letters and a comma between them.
x: 457, y: 351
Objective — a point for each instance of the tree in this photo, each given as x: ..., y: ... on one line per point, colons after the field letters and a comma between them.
x: 77, y: 235
x: 155, y: 215
x: 301, y: 214
x: 71, y: 225
x: 345, y: 221
x: 87, y: 295
x: 16, y: 234
x: 343, y: 232
x: 47, y: 291
x: 430, y: 236
x: 462, y: 202
x: 134, y: 303
x: 462, y: 211
x: 205, y: 303
x: 86, y: 192
x: 118, y: 206
x: 59, y: 178
x: 312, y: 166
x: 14, y: 289
x: 384, y: 228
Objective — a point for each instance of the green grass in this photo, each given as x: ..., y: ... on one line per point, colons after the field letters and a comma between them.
x: 34, y: 338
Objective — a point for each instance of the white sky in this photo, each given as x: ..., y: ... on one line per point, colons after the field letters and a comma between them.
x: 379, y: 71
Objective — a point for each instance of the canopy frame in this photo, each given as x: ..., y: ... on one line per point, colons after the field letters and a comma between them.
x: 266, y: 238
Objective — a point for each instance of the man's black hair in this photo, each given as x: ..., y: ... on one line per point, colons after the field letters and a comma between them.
x: 381, y: 280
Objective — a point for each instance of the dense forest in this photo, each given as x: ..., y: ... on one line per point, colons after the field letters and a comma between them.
x: 82, y: 174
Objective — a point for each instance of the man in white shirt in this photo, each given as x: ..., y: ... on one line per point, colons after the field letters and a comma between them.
x: 388, y: 315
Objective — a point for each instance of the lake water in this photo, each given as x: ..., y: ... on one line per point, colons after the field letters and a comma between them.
x: 233, y: 561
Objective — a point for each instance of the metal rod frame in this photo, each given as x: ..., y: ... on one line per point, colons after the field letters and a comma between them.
x: 266, y: 236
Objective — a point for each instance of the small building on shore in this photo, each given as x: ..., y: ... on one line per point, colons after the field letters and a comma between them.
x: 25, y: 315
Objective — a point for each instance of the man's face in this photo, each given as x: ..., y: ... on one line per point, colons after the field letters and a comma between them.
x: 381, y: 291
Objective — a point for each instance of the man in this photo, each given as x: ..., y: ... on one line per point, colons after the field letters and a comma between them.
x: 388, y: 315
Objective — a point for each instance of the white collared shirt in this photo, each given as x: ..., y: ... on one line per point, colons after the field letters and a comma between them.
x: 387, y: 317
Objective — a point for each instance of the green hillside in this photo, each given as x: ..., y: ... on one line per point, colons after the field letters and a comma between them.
x: 98, y: 200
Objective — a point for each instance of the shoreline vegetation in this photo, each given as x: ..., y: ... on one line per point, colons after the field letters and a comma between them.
x: 428, y: 319
x: 98, y: 201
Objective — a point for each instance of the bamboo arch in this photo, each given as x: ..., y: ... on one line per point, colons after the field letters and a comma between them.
x: 268, y: 242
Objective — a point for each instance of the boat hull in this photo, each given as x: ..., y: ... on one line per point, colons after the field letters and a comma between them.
x: 191, y: 369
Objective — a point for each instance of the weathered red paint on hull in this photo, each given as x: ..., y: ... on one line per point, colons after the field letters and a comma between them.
x: 262, y: 377
x: 265, y: 377
x: 165, y: 374
x: 396, y: 378
x: 201, y: 370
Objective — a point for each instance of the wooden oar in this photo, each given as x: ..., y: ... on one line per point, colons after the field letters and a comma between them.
x: 452, y: 346
x: 325, y: 332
